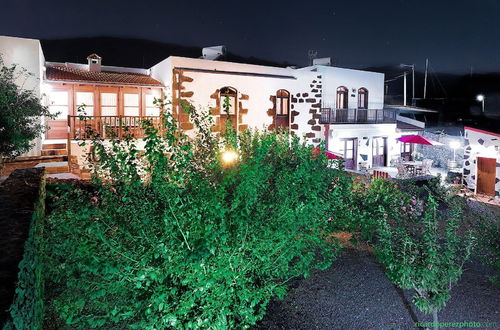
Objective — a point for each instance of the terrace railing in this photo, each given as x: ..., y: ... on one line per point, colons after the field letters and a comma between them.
x: 107, y: 127
x: 357, y: 116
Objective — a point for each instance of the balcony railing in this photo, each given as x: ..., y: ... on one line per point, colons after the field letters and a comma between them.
x: 107, y: 127
x: 357, y: 116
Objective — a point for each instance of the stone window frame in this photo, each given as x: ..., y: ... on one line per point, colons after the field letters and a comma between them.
x: 230, y: 92
x: 282, y: 94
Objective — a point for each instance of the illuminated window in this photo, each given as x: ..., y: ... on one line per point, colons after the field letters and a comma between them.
x: 59, y: 103
x: 109, y: 104
x: 84, y: 103
x: 229, y: 93
x: 362, y: 98
x: 131, y: 104
x: 282, y: 102
x: 151, y: 108
x: 342, y: 97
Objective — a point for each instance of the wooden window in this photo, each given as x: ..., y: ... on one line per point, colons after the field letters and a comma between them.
x: 282, y: 102
x: 342, y: 97
x: 59, y: 103
x: 231, y: 94
x: 362, y: 98
x: 151, y: 109
x: 131, y: 104
x: 84, y: 103
x: 109, y: 104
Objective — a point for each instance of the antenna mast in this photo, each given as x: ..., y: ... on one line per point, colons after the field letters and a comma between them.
x: 425, y: 77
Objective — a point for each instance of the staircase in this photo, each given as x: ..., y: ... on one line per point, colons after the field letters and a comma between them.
x: 54, y: 158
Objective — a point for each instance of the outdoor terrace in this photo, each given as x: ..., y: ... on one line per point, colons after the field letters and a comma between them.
x: 357, y: 116
x: 106, y: 127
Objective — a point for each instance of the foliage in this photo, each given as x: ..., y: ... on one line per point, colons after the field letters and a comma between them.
x: 27, y: 309
x: 20, y: 112
x: 488, y: 250
x: 366, y: 204
x: 175, y: 237
x: 418, y: 256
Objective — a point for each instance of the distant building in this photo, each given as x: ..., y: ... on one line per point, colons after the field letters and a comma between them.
x: 343, y: 108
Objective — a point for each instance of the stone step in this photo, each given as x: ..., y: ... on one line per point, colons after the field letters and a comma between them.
x: 47, y: 146
x: 54, y: 152
x: 54, y: 167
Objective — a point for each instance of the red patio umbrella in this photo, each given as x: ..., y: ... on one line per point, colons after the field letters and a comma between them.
x: 329, y: 154
x: 419, y: 139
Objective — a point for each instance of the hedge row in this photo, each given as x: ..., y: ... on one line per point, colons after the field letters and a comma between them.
x: 26, y: 311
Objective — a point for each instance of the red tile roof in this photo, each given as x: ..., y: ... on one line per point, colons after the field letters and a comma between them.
x: 64, y: 73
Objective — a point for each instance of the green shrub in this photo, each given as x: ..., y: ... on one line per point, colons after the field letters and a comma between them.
x: 487, y: 230
x: 27, y: 309
x: 175, y: 237
x: 420, y: 256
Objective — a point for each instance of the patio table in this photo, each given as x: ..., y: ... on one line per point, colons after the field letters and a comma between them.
x: 413, y: 166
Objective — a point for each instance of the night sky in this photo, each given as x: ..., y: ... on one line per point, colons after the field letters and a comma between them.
x: 455, y: 34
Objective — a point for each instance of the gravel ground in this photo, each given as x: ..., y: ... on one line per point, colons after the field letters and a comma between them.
x: 355, y: 294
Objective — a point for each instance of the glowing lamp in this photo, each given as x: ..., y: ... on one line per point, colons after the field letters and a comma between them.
x: 454, y: 144
x: 229, y: 156
x: 480, y: 97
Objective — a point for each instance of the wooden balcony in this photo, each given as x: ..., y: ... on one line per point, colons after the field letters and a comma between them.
x: 357, y: 116
x: 107, y: 127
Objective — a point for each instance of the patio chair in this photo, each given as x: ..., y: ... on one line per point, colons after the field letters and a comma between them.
x: 402, y: 172
x: 426, y: 166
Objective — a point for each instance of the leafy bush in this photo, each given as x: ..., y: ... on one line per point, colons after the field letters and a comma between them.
x: 27, y: 309
x: 175, y: 237
x: 417, y: 255
x: 20, y: 113
x: 363, y: 205
x: 487, y: 228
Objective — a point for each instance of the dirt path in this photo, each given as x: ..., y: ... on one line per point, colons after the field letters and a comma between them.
x: 355, y: 294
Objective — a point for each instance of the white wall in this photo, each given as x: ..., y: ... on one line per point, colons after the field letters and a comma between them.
x: 489, y: 148
x: 352, y: 79
x: 27, y: 54
x: 258, y: 82
x: 365, y: 134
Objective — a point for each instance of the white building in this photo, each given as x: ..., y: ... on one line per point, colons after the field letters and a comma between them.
x: 481, y: 167
x: 27, y: 54
x: 344, y: 108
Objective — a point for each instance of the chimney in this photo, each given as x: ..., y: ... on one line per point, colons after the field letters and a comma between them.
x: 214, y: 52
x: 94, y: 61
x: 326, y: 61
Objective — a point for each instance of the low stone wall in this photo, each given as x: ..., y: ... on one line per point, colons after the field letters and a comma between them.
x: 19, y: 196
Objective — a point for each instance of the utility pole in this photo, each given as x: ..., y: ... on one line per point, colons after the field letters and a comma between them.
x: 413, y: 85
x: 425, y: 77
x: 412, y: 66
x: 404, y: 89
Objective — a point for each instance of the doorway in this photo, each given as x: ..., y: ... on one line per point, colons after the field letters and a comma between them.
x: 350, y: 153
x: 59, y: 105
x: 486, y: 174
x: 379, y: 151
x: 407, y: 151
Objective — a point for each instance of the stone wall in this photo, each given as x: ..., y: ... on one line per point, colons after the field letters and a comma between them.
x: 441, y: 154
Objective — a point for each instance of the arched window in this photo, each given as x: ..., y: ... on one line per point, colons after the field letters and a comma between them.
x: 342, y: 97
x: 282, y: 102
x: 362, y: 98
x: 231, y: 94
